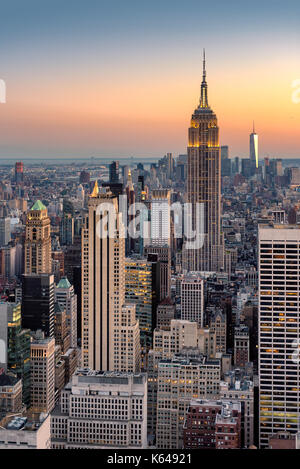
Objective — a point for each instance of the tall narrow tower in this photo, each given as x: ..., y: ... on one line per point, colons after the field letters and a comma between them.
x: 204, y: 183
x: 107, y: 323
x: 38, y: 241
x: 254, y: 147
x: 279, y: 330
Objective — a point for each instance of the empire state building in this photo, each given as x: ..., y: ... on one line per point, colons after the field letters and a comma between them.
x: 204, y: 184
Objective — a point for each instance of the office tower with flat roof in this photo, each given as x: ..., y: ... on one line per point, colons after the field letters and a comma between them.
x: 101, y: 410
x: 19, y: 172
x: 192, y: 298
x: 204, y: 185
x: 114, y: 172
x: 66, y: 229
x: 127, y: 348
x: 18, y: 348
x: 5, y: 231
x: 163, y: 255
x: 38, y: 303
x: 38, y: 241
x: 160, y: 217
x: 254, y: 147
x: 3, y: 335
x: 279, y: 330
x: 42, y: 374
x: 138, y: 290
x: 64, y: 295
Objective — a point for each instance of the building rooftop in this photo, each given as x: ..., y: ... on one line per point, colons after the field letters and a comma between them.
x: 27, y: 422
x: 64, y: 283
x: 7, y: 380
x: 38, y: 206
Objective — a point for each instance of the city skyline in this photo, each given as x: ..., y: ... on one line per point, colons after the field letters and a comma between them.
x: 139, y: 68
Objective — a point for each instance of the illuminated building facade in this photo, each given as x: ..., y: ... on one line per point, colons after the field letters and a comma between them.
x: 38, y: 241
x: 204, y: 184
x: 279, y: 330
x: 138, y: 290
x: 110, y: 332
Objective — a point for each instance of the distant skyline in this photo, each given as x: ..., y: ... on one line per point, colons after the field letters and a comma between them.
x: 122, y: 79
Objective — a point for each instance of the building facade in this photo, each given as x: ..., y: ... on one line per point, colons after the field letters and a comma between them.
x: 101, y: 410
x: 38, y: 241
x: 204, y: 184
x: 279, y: 326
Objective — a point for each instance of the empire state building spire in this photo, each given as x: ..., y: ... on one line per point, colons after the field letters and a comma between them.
x: 203, y: 98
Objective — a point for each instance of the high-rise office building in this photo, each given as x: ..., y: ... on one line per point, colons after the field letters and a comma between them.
x: 160, y: 217
x: 114, y: 172
x: 163, y: 255
x: 38, y: 303
x: 254, y: 147
x: 18, y: 348
x: 138, y: 290
x: 192, y: 298
x: 279, y: 330
x: 19, y: 172
x: 5, y: 231
x: 3, y: 335
x: 42, y: 374
x: 204, y: 184
x: 103, y: 285
x: 38, y: 241
x: 65, y: 296
x: 126, y: 345
x: 101, y: 410
x: 66, y: 229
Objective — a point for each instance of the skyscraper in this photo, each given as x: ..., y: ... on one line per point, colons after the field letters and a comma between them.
x: 38, y: 241
x: 42, y: 374
x: 204, y: 183
x: 103, y: 288
x: 5, y: 231
x: 65, y: 296
x: 160, y: 217
x: 279, y: 330
x: 38, y: 303
x: 19, y: 172
x: 114, y: 172
x: 254, y: 147
x: 192, y: 298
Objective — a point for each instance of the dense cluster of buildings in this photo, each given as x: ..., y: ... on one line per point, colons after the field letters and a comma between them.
x: 118, y: 330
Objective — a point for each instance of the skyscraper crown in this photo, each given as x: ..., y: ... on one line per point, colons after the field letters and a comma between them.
x: 203, y: 97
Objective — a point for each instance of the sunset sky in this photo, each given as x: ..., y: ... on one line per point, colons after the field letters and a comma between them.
x: 120, y: 79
